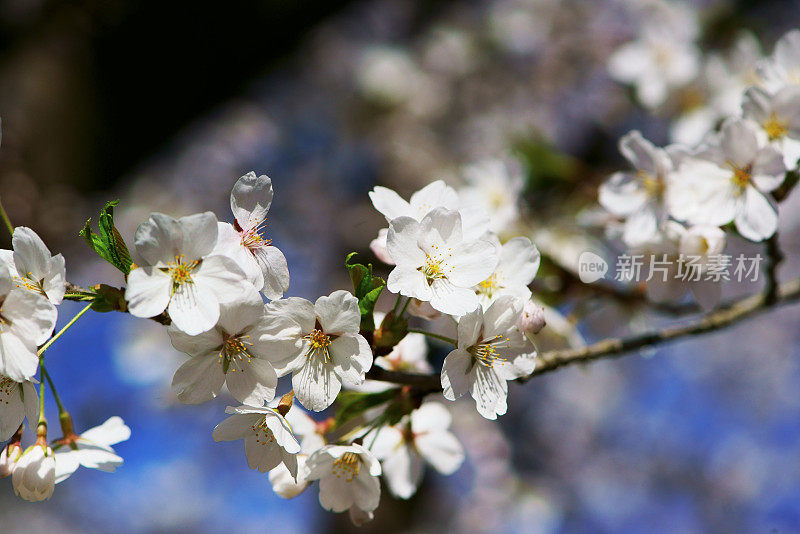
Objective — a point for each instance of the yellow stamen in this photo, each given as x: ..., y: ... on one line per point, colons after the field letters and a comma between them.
x: 775, y: 128
x: 347, y: 465
x: 319, y: 344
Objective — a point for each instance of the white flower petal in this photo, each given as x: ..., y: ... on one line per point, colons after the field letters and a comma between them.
x: 338, y: 313
x: 275, y: 271
x: 199, y: 379
x: 442, y: 450
x: 455, y: 374
x: 159, y: 239
x: 199, y: 234
x: 316, y: 385
x: 758, y: 218
x: 148, y: 291
x: 253, y: 383
x: 251, y: 198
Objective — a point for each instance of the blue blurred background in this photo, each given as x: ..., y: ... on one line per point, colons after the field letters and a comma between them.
x: 164, y: 105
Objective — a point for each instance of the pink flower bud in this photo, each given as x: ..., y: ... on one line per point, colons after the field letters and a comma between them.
x: 531, y: 320
x: 378, y: 247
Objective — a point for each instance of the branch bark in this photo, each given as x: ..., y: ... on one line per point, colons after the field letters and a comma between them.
x: 615, y: 347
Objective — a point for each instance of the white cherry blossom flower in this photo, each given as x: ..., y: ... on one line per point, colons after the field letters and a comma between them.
x: 34, y: 476
x: 493, y: 186
x: 519, y: 262
x: 268, y: 439
x: 434, y: 195
x: 26, y: 321
x: 33, y: 268
x: 264, y: 264
x: 782, y: 68
x: 348, y: 476
x: 92, y: 449
x: 490, y: 351
x: 325, y: 351
x: 9, y: 457
x: 233, y: 352
x: 421, y: 437
x: 637, y: 196
x: 730, y: 181
x: 436, y: 264
x: 180, y: 274
x: 778, y: 119
x: 654, y: 64
x: 18, y: 400
x: 378, y: 247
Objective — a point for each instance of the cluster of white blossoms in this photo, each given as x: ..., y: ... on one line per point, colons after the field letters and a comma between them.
x: 680, y: 200
x: 32, y: 284
x: 219, y: 290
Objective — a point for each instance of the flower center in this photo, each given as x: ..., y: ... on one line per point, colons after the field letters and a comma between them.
x: 775, y: 127
x: 29, y: 283
x: 490, y: 285
x: 251, y: 238
x: 264, y: 435
x: 435, y: 267
x: 652, y: 185
x: 347, y: 465
x: 318, y: 344
x: 234, y: 352
x: 181, y: 271
x: 741, y: 175
x: 485, y: 353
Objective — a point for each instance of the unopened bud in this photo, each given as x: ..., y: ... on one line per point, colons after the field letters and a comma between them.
x: 531, y: 320
x: 378, y: 247
x: 9, y: 458
x: 285, y: 404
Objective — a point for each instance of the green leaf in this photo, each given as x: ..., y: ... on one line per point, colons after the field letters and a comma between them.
x: 109, y: 244
x: 352, y: 403
x: 367, y: 288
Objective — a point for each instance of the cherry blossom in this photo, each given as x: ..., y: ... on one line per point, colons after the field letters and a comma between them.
x: 490, y: 351
x: 33, y: 267
x: 436, y: 264
x: 34, y: 476
x: 348, y: 476
x: 233, y: 352
x: 324, y: 351
x: 730, y: 181
x: 637, y: 196
x: 421, y: 437
x: 268, y: 439
x: 263, y: 263
x: 92, y: 449
x: 180, y: 274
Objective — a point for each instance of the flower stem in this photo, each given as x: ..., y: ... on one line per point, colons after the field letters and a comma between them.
x: 46, y: 376
x: 396, y: 304
x: 60, y: 332
x: 42, y: 418
x: 405, y: 307
x: 6, y: 220
x: 435, y: 336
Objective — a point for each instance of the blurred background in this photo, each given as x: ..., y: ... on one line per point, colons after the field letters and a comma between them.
x: 165, y: 104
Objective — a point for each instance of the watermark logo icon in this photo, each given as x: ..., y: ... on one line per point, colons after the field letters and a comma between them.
x: 591, y: 267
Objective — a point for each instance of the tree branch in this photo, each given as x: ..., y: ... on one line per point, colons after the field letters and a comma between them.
x: 615, y: 347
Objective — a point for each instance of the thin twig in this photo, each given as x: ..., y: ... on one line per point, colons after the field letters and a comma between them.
x: 614, y: 347
x: 774, y: 258
x: 6, y: 220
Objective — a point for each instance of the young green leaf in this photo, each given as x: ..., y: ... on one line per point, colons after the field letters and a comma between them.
x: 109, y: 244
x: 367, y: 288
